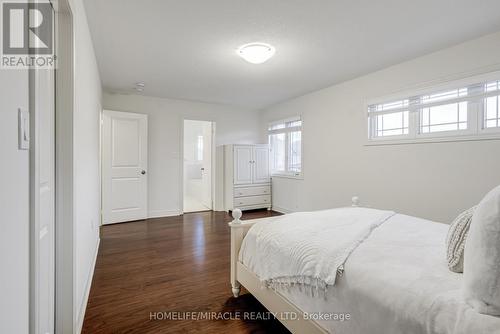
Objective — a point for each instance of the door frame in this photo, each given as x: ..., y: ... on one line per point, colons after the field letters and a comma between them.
x: 181, y: 162
x: 36, y: 79
x: 65, y: 312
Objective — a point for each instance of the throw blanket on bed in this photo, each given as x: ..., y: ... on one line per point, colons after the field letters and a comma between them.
x: 309, y: 248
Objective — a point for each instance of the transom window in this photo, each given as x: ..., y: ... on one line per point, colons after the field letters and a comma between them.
x: 446, y: 116
x: 492, y: 116
x: 471, y: 110
x: 392, y: 124
x: 285, y: 141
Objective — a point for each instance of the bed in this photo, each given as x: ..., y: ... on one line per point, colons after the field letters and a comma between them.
x: 395, y: 281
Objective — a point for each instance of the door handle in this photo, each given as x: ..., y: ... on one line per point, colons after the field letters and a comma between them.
x: 202, y: 168
x: 143, y: 172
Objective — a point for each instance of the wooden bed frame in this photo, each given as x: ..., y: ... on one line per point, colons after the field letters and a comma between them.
x: 271, y: 299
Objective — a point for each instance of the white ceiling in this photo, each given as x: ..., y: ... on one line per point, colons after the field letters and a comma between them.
x: 185, y: 49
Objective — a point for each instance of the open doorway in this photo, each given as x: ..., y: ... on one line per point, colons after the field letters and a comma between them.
x: 198, y: 150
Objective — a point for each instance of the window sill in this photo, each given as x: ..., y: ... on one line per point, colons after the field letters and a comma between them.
x: 288, y: 176
x: 423, y: 140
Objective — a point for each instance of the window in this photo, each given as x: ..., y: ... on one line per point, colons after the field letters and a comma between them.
x: 285, y: 140
x: 390, y: 119
x: 471, y: 110
x: 199, y: 148
x: 438, y: 115
x: 491, y: 114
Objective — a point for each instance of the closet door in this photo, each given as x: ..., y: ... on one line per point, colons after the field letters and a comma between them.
x: 243, y: 164
x: 124, y: 166
x: 261, y: 164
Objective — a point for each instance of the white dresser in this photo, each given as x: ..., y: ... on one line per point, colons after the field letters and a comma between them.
x: 247, y: 184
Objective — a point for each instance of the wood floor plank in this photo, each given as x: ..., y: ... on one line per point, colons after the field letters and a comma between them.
x: 174, y: 264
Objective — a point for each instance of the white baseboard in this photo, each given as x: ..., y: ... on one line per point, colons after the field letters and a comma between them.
x: 163, y: 213
x: 281, y: 210
x: 83, y: 307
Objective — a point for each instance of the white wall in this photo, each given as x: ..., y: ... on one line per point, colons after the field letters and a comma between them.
x: 87, y: 108
x: 14, y: 206
x: 435, y: 181
x: 233, y: 125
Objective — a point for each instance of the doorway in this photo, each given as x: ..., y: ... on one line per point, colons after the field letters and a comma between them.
x: 197, y: 168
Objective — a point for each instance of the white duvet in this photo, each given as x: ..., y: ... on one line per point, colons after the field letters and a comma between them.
x: 395, y: 282
x: 309, y: 248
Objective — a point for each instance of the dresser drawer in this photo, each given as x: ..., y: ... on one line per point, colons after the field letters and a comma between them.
x: 264, y: 200
x: 252, y: 191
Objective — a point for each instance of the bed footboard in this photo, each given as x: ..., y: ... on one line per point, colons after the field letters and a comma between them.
x: 239, y: 230
x: 272, y: 300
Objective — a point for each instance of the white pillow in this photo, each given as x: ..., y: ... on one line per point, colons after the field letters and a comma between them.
x: 456, y: 238
x: 482, y: 257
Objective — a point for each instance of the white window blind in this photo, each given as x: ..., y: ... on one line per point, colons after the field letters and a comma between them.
x: 285, y: 140
x: 469, y: 110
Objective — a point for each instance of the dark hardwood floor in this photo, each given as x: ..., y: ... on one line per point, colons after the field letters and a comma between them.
x: 146, y: 269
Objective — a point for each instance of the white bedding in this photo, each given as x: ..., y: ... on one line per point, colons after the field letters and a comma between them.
x: 314, y: 247
x: 396, y: 281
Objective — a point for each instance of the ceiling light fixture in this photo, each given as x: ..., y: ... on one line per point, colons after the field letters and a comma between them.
x: 256, y: 53
x: 140, y: 86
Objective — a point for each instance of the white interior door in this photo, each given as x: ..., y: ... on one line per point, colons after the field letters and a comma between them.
x: 206, y: 173
x: 243, y: 164
x: 43, y: 201
x: 261, y: 164
x: 124, y: 163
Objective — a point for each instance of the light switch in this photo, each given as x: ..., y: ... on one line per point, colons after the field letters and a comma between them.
x: 24, y: 129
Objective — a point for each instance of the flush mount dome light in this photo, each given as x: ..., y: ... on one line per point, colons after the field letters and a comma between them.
x: 140, y: 86
x: 256, y: 53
